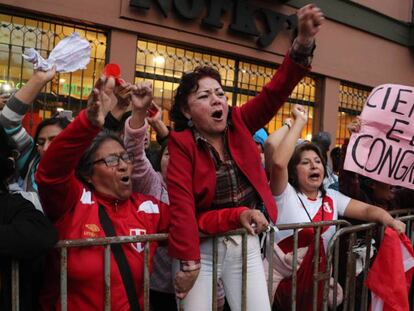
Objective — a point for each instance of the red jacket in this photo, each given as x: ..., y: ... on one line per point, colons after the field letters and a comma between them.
x: 74, y: 210
x: 191, y: 177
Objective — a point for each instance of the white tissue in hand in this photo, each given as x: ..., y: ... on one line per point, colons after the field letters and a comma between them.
x: 70, y: 54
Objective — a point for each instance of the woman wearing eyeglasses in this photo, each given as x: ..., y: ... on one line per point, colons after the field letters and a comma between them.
x: 85, y: 183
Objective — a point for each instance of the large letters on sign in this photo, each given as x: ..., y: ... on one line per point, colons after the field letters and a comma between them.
x: 384, y: 148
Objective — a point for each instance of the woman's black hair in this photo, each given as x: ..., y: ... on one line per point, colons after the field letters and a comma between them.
x: 295, y: 160
x: 188, y: 85
x: 157, y: 164
x: 59, y: 122
x: 7, y: 155
x: 85, y: 165
x: 336, y: 159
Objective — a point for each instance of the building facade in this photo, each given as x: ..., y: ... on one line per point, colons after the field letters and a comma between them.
x: 362, y: 44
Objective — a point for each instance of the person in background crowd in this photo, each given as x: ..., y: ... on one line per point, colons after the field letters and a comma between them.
x: 116, y: 118
x: 260, y: 137
x: 146, y: 180
x: 336, y: 160
x: 85, y: 184
x: 323, y: 141
x: 25, y: 235
x: 215, y: 167
x: 30, y: 149
x: 151, y: 181
x: 369, y: 190
x: 296, y: 181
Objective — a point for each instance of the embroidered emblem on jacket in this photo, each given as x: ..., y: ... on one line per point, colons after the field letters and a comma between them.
x: 148, y: 207
x: 327, y: 207
x: 91, y: 230
x: 139, y: 247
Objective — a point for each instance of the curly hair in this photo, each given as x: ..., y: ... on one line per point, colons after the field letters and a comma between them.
x: 188, y: 85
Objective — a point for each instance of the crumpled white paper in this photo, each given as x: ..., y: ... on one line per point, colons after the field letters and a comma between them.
x: 70, y: 54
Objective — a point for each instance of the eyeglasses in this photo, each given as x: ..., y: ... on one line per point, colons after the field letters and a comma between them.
x: 113, y: 159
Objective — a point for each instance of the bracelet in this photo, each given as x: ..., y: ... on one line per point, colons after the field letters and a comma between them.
x: 287, y: 124
x: 190, y: 265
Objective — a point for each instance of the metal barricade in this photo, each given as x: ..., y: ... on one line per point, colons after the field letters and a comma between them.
x: 350, y: 234
x: 317, y: 276
x: 342, y: 227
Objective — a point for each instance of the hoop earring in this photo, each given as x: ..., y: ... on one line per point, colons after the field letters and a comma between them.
x: 190, y: 123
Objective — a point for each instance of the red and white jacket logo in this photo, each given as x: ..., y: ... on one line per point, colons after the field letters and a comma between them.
x: 327, y: 207
x: 138, y: 246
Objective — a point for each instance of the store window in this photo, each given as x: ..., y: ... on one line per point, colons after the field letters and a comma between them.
x: 66, y: 91
x: 164, y: 65
x: 352, y: 98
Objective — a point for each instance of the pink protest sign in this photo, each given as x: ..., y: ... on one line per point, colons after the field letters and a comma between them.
x: 384, y: 148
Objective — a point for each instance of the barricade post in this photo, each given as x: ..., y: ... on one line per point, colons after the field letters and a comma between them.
x: 317, y: 276
x: 343, y: 229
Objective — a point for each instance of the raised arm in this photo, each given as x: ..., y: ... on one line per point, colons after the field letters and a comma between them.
x: 16, y: 107
x: 279, y: 157
x: 157, y: 124
x: 59, y: 189
x: 28, y: 93
x: 274, y: 141
x: 144, y: 178
x: 116, y: 117
x: 258, y: 111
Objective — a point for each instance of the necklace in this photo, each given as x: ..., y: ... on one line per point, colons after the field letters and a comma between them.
x: 307, y: 213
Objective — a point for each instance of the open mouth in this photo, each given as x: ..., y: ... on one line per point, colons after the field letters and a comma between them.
x: 125, y: 180
x: 315, y: 176
x: 217, y: 114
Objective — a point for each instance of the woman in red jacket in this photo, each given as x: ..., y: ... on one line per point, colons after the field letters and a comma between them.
x: 214, y: 166
x: 80, y: 207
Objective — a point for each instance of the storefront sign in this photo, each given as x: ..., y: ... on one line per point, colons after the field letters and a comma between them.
x: 245, y: 15
x: 76, y: 90
x: 384, y: 148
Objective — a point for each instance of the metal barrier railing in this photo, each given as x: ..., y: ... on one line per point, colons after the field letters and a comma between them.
x: 296, y: 228
x: 349, y: 300
x: 342, y: 228
x: 401, y: 212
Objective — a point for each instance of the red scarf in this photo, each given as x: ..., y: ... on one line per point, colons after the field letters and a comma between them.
x: 304, y: 281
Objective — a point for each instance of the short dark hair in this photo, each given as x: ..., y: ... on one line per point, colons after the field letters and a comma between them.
x: 188, y: 85
x: 84, y: 168
x: 61, y: 122
x: 295, y: 159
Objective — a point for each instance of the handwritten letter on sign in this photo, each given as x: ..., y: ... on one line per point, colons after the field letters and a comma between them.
x: 384, y: 148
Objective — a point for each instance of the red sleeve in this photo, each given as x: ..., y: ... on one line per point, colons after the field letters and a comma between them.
x: 258, y: 111
x: 183, y: 242
x: 220, y: 221
x: 59, y: 189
